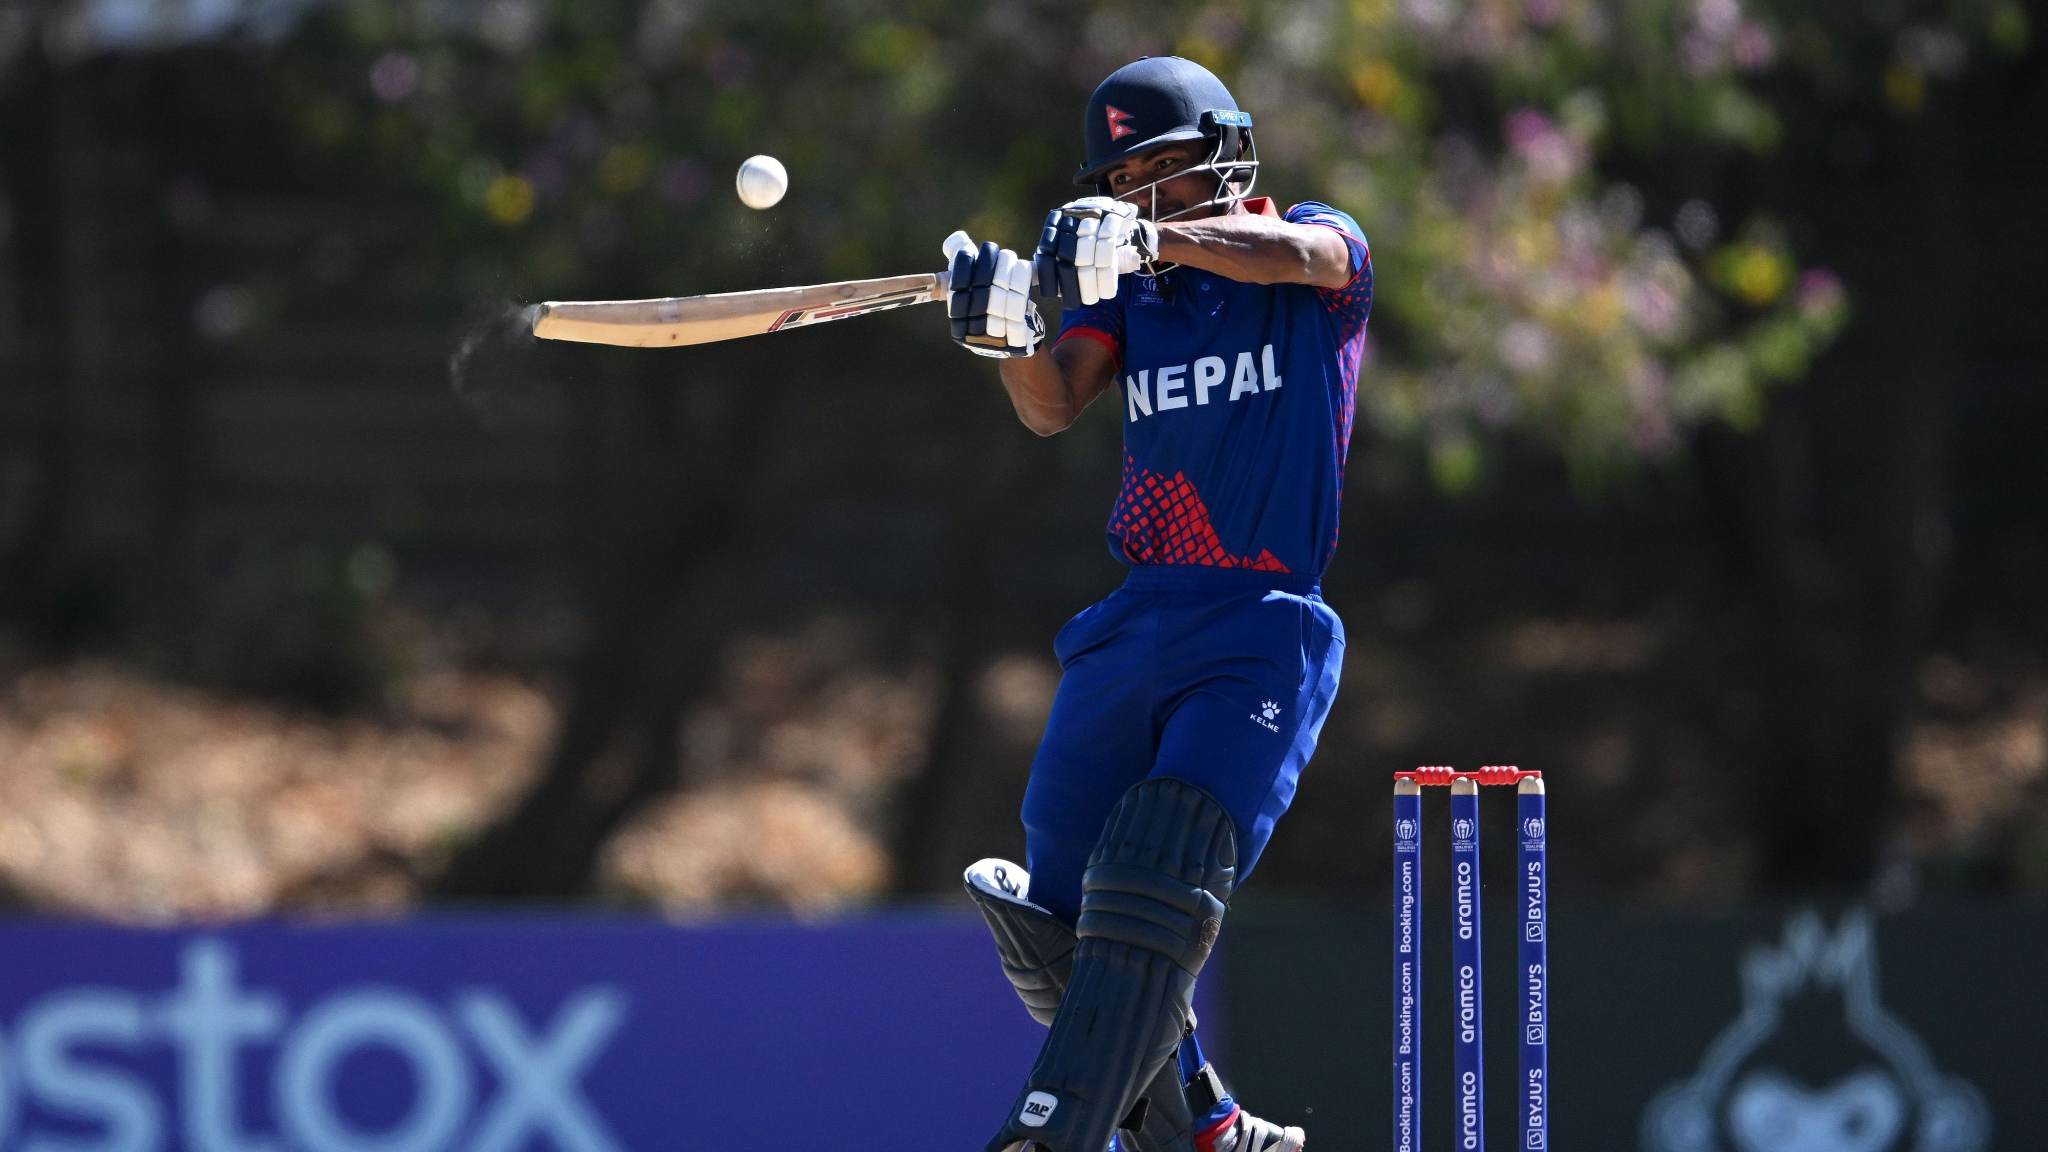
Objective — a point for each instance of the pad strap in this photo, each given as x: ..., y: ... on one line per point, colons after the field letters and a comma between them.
x: 1037, y: 953
x: 1152, y: 902
x: 1035, y: 947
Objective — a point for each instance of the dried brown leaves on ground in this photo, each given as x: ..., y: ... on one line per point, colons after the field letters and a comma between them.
x: 124, y: 796
x: 790, y: 772
x: 1976, y: 769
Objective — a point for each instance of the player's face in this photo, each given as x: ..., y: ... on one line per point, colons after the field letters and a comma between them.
x: 1128, y: 180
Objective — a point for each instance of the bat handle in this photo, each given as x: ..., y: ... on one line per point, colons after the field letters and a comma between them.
x: 1126, y: 261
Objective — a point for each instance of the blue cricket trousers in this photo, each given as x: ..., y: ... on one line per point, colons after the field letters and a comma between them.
x: 1219, y: 677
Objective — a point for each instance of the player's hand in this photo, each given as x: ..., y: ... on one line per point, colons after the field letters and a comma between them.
x: 990, y: 306
x: 1081, y: 247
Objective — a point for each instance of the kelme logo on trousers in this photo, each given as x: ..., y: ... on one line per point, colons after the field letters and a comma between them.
x: 1037, y: 1109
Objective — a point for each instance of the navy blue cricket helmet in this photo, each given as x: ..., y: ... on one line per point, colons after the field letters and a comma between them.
x: 1158, y: 100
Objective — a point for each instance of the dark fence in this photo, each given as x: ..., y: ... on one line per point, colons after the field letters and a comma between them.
x: 1767, y: 1030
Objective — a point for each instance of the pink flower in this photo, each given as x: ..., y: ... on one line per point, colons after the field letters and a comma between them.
x: 1753, y: 48
x: 1652, y: 306
x: 1699, y: 53
x: 1652, y: 432
x: 1526, y: 129
x: 1550, y: 155
x: 394, y: 76
x: 1717, y: 17
x: 1526, y: 347
x: 1821, y: 292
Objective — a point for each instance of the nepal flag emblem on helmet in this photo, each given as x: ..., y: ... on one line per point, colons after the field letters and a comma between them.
x: 1119, y: 122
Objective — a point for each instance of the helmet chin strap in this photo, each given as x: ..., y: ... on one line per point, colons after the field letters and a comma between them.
x: 1228, y: 194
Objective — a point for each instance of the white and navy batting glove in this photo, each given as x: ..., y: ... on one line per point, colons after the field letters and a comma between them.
x: 1079, y: 250
x: 990, y: 306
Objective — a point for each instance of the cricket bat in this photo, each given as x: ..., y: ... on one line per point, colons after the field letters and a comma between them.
x: 673, y: 321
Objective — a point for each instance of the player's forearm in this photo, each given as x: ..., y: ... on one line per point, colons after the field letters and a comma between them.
x: 1039, y: 392
x: 1258, y: 250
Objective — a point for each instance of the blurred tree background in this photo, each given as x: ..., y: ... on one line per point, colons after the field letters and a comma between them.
x: 1692, y: 464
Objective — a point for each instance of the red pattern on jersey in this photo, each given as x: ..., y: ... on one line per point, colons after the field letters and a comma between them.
x: 1163, y: 521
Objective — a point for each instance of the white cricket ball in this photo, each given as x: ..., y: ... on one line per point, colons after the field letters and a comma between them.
x: 762, y: 182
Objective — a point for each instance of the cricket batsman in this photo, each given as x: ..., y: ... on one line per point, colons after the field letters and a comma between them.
x: 1190, y: 698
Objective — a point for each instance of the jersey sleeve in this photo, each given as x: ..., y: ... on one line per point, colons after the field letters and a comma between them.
x: 1102, y: 322
x: 1352, y: 304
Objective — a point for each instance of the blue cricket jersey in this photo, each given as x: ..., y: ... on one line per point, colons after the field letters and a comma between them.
x: 1237, y: 408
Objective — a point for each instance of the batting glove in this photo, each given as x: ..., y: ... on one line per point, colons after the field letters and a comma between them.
x: 990, y: 305
x: 1080, y: 249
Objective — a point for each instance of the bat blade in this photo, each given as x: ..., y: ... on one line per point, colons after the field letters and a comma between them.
x: 673, y: 321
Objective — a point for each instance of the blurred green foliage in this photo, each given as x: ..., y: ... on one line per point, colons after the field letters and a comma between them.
x: 1570, y: 202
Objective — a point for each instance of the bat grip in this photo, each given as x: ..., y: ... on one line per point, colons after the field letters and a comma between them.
x: 1126, y: 262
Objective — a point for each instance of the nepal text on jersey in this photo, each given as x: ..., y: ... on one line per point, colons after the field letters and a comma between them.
x: 1177, y: 385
